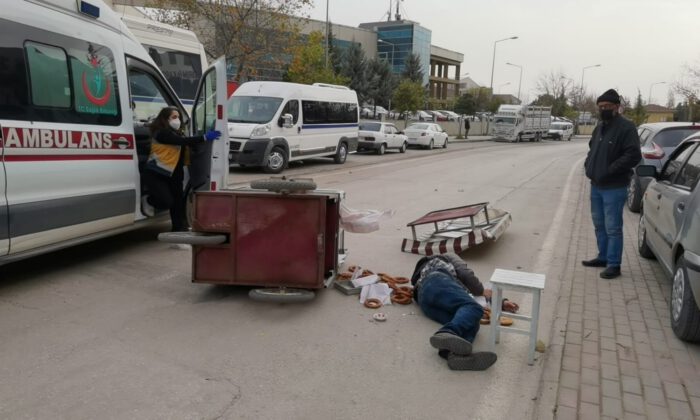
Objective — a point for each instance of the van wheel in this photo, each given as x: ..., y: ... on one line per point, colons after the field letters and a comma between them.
x: 685, y: 315
x: 403, y: 148
x: 342, y: 154
x: 276, y: 161
x: 382, y: 149
x: 283, y: 185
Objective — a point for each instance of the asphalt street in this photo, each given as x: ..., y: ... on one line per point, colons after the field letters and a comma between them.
x: 115, y: 328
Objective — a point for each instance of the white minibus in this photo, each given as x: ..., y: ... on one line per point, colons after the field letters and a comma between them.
x: 177, y: 52
x: 71, y: 146
x: 273, y: 123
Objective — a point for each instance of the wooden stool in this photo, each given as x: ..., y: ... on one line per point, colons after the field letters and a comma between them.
x: 519, y: 281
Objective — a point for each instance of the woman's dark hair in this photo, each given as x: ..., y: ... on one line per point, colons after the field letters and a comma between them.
x: 162, y: 121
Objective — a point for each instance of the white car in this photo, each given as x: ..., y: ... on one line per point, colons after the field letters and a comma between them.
x: 561, y: 131
x: 368, y: 111
x: 421, y: 116
x: 379, y: 136
x: 452, y: 116
x: 426, y: 135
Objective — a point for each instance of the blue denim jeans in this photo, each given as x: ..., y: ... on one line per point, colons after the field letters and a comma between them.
x: 606, y: 211
x: 443, y: 300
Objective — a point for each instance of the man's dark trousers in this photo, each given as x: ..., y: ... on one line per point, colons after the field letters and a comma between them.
x: 443, y: 300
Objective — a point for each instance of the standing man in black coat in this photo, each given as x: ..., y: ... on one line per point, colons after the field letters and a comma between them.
x: 613, y: 153
x: 467, y: 126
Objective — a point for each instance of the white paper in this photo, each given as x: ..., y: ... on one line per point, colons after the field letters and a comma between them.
x: 364, y: 281
x: 379, y: 291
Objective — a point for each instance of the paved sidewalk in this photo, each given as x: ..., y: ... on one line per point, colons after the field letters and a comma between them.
x: 613, y: 353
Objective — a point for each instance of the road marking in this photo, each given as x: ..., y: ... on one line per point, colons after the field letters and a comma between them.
x: 544, y: 257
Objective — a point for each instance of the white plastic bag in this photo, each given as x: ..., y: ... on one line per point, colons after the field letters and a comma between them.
x: 362, y: 221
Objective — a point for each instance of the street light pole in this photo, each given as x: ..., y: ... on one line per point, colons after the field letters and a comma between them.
x: 521, y: 76
x: 651, y: 86
x: 493, y: 62
x: 583, y: 70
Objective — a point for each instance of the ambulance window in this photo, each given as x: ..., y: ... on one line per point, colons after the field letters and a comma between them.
x: 48, y: 72
x: 146, y: 95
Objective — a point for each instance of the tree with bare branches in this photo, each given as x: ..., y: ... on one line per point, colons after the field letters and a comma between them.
x: 252, y: 34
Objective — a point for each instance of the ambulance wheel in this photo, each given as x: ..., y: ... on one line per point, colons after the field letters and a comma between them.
x: 191, y: 238
x: 283, y: 185
x: 281, y: 295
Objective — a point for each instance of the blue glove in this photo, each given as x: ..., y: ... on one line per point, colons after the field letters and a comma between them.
x: 212, y: 135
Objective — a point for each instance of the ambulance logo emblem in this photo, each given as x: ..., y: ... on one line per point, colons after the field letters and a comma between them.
x: 96, y: 85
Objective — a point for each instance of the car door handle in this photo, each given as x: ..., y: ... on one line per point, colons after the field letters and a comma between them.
x: 680, y: 206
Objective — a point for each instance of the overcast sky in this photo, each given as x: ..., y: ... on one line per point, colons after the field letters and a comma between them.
x: 637, y: 42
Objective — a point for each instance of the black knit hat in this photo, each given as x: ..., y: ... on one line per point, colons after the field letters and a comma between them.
x: 610, y: 95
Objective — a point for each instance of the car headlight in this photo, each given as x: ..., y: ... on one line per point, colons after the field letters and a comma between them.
x: 261, y: 130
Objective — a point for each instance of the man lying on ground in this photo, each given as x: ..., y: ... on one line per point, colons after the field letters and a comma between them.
x: 444, y: 288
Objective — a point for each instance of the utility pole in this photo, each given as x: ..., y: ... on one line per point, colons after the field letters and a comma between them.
x: 327, y: 32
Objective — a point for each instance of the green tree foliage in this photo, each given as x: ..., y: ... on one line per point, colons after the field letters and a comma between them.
x: 465, y: 104
x: 638, y: 114
x: 381, y: 82
x: 308, y: 63
x: 252, y: 34
x: 408, y: 96
x: 354, y: 69
x: 482, y: 98
x: 335, y: 54
x: 413, y: 70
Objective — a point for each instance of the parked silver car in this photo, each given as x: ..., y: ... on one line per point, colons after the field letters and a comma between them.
x: 657, y: 141
x: 669, y: 229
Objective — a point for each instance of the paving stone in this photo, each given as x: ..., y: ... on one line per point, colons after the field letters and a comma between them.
x: 609, y: 372
x: 589, y: 376
x: 692, y: 386
x: 608, y: 357
x: 679, y: 409
x: 654, y: 396
x: 675, y: 391
x: 612, y: 407
x: 591, y: 361
x: 589, y: 411
x: 633, y: 416
x: 633, y: 403
x: 590, y: 394
x: 628, y: 368
x: 695, y: 405
x: 565, y: 413
x: 608, y: 343
x: 569, y: 379
x: 571, y: 363
x: 631, y: 384
x: 656, y: 412
x: 610, y: 389
x: 567, y: 397
x: 589, y: 347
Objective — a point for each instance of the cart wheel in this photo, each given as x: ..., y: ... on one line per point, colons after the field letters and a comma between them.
x: 192, y: 238
x: 282, y: 184
x: 281, y: 295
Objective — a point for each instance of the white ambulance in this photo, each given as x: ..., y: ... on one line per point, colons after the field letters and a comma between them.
x: 72, y: 137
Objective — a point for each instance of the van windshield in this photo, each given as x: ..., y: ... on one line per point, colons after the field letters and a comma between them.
x: 505, y: 120
x: 252, y: 109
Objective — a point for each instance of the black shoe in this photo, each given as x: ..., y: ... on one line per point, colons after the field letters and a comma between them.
x: 476, y: 361
x: 443, y: 340
x: 595, y: 262
x: 610, y: 273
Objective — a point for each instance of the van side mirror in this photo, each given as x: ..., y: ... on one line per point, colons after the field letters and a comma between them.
x: 287, y: 121
x: 645, y: 171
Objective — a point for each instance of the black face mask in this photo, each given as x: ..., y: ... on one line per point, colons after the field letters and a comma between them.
x: 606, y: 114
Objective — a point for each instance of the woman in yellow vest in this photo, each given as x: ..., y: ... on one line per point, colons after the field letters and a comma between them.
x: 164, y: 173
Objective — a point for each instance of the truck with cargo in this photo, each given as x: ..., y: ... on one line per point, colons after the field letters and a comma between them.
x: 516, y: 123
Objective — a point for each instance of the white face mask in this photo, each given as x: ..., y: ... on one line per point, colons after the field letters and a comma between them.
x: 175, y: 124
